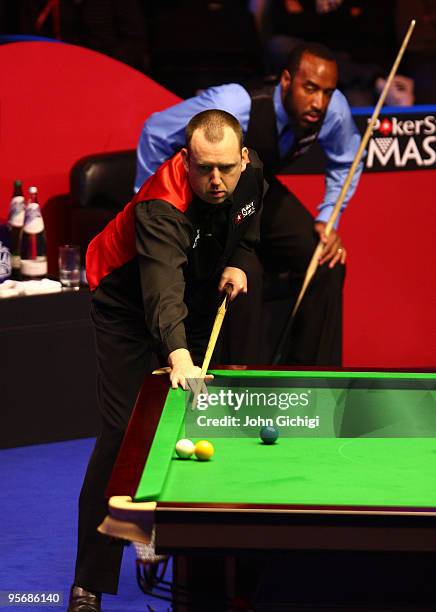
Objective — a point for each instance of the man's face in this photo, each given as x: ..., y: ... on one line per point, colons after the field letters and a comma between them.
x: 214, y: 168
x: 306, y: 96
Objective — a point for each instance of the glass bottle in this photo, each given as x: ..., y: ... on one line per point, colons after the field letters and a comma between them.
x: 33, y: 241
x: 15, y: 223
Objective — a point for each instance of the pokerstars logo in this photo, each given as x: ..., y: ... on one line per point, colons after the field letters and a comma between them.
x: 246, y: 211
x: 400, y: 143
x: 385, y: 127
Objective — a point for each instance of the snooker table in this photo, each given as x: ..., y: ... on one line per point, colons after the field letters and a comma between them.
x: 365, y: 483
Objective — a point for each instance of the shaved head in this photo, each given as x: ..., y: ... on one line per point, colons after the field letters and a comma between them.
x: 214, y: 156
x: 212, y: 123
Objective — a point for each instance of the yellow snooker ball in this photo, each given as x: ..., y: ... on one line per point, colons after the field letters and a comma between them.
x: 204, y: 450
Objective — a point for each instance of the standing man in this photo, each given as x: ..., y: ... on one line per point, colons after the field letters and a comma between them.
x: 281, y: 123
x: 155, y: 273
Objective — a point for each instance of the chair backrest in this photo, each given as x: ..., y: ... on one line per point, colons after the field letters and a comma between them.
x: 100, y: 186
x: 103, y: 180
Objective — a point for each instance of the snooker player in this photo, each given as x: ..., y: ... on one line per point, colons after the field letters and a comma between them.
x: 155, y: 273
x: 281, y: 123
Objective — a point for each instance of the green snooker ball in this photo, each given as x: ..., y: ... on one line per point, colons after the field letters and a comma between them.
x: 269, y: 434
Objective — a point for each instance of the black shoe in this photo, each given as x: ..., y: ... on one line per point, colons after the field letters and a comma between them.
x: 84, y: 601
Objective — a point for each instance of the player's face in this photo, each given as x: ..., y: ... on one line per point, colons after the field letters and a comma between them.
x: 214, y: 168
x: 307, y: 94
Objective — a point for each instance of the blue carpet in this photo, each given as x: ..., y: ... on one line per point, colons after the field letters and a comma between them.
x: 38, y: 510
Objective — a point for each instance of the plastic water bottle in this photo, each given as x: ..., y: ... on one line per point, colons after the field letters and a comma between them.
x: 33, y: 241
x: 15, y: 223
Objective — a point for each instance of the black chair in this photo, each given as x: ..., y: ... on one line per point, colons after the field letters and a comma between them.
x: 100, y: 185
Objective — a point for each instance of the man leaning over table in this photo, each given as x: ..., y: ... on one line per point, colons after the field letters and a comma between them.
x: 156, y: 273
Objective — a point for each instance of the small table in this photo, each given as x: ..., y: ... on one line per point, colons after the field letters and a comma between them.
x: 49, y: 370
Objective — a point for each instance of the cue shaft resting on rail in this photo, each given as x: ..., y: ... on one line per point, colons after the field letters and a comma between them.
x: 313, y: 265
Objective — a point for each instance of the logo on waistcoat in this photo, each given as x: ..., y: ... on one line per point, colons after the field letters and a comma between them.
x: 244, y: 212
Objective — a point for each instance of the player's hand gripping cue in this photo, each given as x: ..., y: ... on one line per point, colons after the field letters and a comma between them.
x: 233, y: 281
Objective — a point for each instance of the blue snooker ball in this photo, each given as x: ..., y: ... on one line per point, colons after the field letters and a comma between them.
x: 269, y: 434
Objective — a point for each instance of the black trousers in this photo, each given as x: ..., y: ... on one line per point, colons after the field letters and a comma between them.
x: 288, y: 241
x: 123, y: 350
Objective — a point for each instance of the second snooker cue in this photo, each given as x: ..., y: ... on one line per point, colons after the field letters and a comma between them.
x: 285, y: 337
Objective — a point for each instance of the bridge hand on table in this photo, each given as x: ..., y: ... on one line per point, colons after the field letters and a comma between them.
x: 183, y: 372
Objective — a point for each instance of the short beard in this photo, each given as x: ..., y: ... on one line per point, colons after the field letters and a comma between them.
x: 301, y: 129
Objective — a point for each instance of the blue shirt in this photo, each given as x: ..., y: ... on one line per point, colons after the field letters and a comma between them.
x: 164, y: 133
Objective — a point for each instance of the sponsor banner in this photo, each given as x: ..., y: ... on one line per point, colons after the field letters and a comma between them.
x: 401, y: 142
x: 402, y: 139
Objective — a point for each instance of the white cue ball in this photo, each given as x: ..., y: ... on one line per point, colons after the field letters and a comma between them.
x: 185, y: 448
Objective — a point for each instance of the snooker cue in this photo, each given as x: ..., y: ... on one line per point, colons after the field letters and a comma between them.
x: 313, y: 265
x: 221, y: 313
x: 164, y: 370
